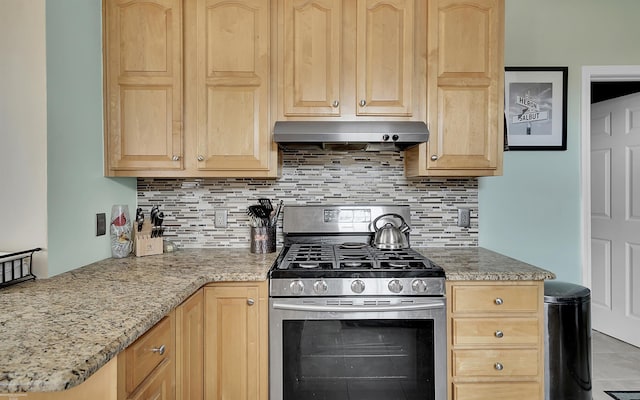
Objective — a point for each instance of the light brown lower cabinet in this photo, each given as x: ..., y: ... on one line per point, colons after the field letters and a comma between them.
x: 495, y: 340
x: 236, y: 341
x: 190, y: 347
x: 146, y: 369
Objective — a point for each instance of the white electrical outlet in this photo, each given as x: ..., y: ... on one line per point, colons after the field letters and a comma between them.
x: 220, y: 218
x: 464, y: 217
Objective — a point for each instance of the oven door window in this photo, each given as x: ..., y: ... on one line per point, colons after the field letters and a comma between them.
x: 358, y: 359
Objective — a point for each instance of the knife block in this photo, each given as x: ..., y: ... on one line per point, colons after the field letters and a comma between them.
x: 144, y: 244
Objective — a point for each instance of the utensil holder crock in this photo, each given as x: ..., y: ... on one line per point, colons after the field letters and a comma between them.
x: 263, y: 239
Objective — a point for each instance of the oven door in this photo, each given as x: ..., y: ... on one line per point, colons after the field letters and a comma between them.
x: 357, y: 348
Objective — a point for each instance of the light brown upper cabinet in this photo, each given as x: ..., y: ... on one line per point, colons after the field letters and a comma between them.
x: 143, y: 85
x: 187, y: 88
x: 465, y: 91
x: 349, y: 60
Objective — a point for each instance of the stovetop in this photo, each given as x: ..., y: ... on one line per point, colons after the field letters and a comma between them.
x: 328, y: 252
x: 343, y: 260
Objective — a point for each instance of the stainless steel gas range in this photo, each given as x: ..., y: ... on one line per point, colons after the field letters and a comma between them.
x: 349, y: 320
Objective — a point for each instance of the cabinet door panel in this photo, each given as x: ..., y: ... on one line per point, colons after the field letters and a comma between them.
x: 235, y: 342
x: 385, y: 48
x: 143, y: 53
x: 232, y: 85
x: 312, y: 46
x: 465, y: 85
x: 190, y: 346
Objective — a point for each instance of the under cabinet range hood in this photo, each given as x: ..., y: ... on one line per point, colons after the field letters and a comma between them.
x: 367, y: 135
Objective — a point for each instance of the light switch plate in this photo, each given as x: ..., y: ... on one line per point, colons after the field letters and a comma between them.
x: 464, y: 217
x: 101, y: 224
x: 220, y: 218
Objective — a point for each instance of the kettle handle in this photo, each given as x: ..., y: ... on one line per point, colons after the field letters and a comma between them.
x: 403, y: 227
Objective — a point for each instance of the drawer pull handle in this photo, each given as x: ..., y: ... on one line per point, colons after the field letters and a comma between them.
x: 498, y: 366
x: 251, y: 301
x: 160, y: 350
x: 498, y: 301
x: 335, y: 104
x: 499, y: 334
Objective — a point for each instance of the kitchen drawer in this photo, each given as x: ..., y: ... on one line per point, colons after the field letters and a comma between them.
x: 496, y: 363
x: 495, y: 331
x: 159, y: 387
x: 493, y: 391
x: 146, y: 353
x: 494, y: 298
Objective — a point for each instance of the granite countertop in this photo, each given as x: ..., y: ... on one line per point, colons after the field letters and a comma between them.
x: 479, y: 264
x: 57, y: 332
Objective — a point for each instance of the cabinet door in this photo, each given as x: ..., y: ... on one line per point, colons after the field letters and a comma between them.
x: 385, y: 57
x: 230, y: 56
x: 465, y: 87
x: 235, y: 342
x: 190, y: 347
x: 143, y: 99
x: 311, y: 42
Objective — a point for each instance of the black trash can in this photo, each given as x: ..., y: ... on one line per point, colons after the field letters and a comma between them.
x: 567, y: 341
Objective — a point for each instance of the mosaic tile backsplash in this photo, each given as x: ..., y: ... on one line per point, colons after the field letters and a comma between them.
x: 314, y: 177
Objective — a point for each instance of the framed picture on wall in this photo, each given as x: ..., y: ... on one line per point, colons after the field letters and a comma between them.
x: 536, y: 107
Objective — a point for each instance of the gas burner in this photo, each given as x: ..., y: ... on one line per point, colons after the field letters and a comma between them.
x: 353, y: 245
x: 308, y: 265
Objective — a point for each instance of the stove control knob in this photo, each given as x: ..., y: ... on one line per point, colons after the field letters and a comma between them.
x: 419, y: 285
x: 395, y: 286
x: 297, y: 287
x: 320, y: 287
x: 357, y: 286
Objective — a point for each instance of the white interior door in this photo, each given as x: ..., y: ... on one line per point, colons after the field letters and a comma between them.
x: 615, y: 217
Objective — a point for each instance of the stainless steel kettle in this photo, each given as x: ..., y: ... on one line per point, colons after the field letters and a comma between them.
x: 393, y: 234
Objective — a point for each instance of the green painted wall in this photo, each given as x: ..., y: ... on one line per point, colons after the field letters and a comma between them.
x: 533, y: 213
x: 77, y: 189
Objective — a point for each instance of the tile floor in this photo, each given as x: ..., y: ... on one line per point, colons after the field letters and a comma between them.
x: 615, y: 364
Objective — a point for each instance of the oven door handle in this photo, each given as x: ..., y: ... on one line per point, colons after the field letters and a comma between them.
x: 323, y: 308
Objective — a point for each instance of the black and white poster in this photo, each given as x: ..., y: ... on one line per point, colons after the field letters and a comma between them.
x: 535, y: 108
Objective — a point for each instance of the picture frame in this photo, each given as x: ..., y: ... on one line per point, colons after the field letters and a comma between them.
x: 536, y: 108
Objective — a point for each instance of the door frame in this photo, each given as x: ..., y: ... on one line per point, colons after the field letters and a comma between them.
x: 599, y: 73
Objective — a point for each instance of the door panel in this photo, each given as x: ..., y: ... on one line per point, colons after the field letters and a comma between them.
x: 232, y: 85
x: 143, y: 78
x: 385, y: 48
x: 615, y: 164
x: 312, y: 45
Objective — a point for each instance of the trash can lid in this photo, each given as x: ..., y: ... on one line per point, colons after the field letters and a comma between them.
x: 565, y: 292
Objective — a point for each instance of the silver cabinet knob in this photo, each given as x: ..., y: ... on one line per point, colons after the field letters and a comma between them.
x: 175, y: 158
x: 160, y: 350
x: 498, y: 366
x: 363, y: 103
x: 357, y: 286
x: 251, y: 301
x: 434, y: 157
x: 499, y: 334
x: 498, y: 301
x: 200, y: 158
x: 335, y: 104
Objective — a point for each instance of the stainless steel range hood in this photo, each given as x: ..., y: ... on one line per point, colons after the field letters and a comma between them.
x: 368, y: 135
